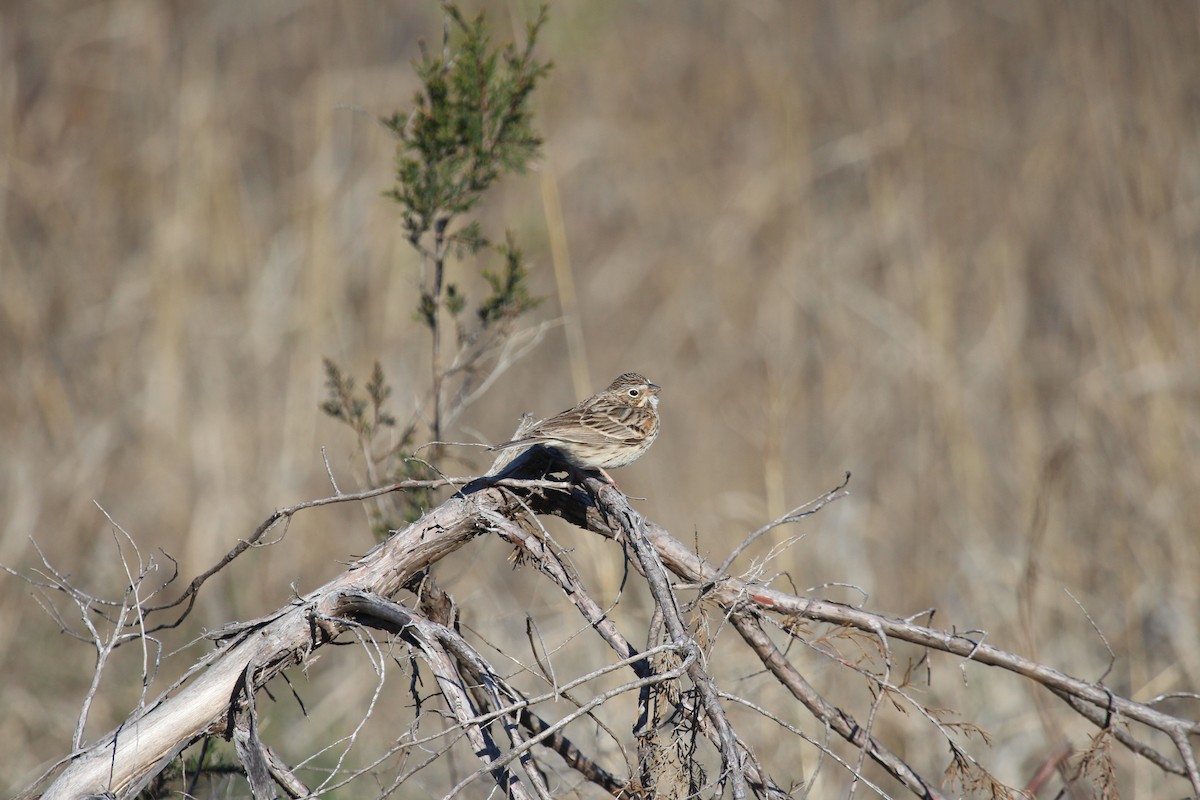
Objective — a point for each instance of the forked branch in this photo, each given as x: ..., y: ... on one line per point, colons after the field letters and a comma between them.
x: 217, y: 696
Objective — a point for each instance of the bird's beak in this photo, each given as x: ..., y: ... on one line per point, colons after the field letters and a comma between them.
x: 653, y: 387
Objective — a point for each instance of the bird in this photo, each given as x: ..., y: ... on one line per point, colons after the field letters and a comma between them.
x: 610, y: 429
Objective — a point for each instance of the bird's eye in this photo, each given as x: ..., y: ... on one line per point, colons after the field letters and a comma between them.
x: 634, y: 392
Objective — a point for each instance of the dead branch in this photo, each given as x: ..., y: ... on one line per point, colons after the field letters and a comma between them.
x: 176, y: 720
x: 436, y: 643
x: 1103, y: 706
x: 217, y: 695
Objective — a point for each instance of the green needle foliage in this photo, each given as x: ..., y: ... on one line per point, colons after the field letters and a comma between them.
x: 470, y: 123
x: 509, y: 297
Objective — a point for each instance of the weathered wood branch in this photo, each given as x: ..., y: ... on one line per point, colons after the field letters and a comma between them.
x: 216, y: 698
x: 444, y: 651
x: 177, y: 719
x: 1095, y: 701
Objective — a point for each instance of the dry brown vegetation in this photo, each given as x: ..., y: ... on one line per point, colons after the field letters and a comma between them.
x: 953, y: 248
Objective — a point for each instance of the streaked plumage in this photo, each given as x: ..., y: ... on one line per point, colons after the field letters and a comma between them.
x: 611, y: 429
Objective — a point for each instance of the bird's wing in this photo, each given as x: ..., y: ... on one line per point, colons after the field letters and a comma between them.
x: 620, y: 425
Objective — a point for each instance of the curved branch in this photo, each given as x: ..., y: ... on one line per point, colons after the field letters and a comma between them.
x: 203, y: 702
x: 736, y: 595
x: 177, y: 719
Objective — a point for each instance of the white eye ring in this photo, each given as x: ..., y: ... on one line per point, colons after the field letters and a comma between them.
x: 634, y: 392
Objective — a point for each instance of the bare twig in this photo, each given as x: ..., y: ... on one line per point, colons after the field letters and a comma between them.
x: 839, y: 721
x: 188, y: 596
x: 795, y: 515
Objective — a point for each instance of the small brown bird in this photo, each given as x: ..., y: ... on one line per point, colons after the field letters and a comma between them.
x: 611, y: 429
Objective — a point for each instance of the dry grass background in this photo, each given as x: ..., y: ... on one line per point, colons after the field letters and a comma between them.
x: 950, y: 247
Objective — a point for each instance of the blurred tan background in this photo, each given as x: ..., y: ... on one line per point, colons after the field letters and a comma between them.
x: 952, y: 248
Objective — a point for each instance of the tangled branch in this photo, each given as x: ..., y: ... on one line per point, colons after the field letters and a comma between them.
x: 683, y: 712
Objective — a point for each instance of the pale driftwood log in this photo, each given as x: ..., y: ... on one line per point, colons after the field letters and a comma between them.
x: 216, y: 692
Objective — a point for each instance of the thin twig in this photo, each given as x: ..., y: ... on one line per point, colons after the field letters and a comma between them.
x: 795, y: 515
